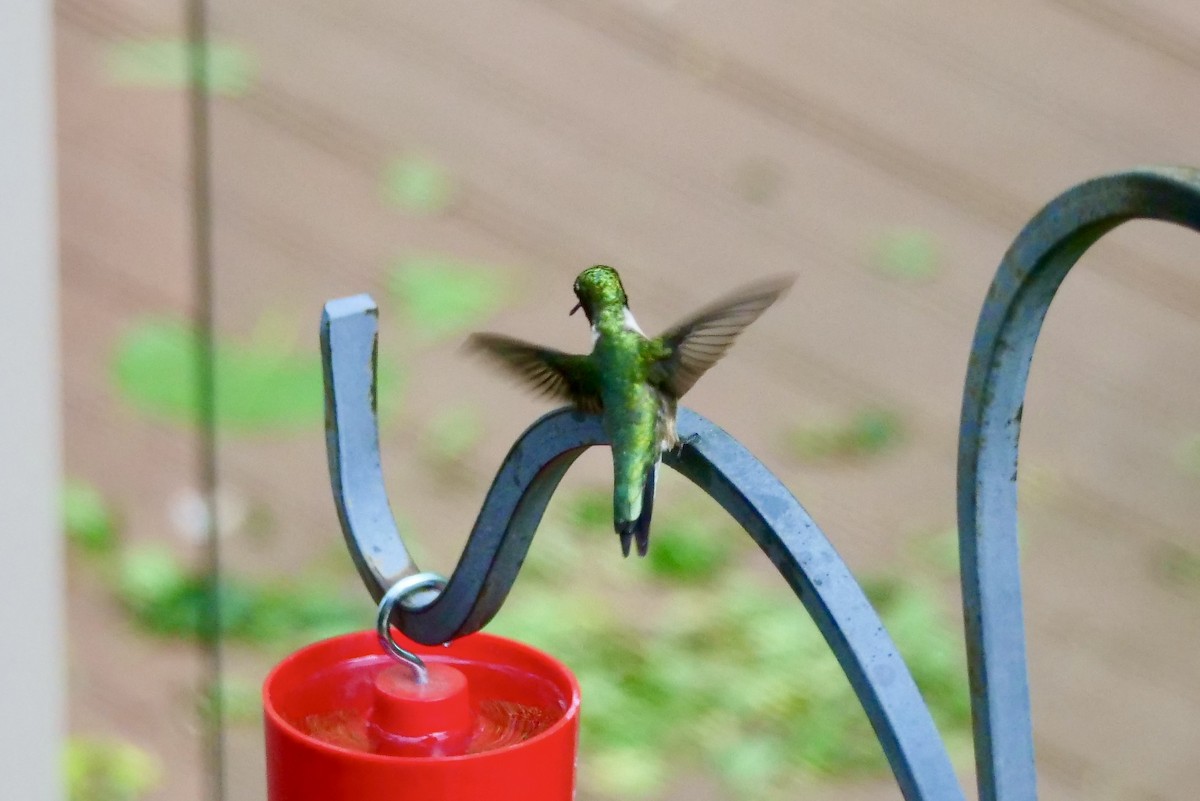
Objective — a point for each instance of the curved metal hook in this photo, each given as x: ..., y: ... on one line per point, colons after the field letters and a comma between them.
x: 1012, y: 316
x: 514, y: 505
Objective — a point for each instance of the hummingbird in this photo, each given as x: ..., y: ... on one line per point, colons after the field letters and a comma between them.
x: 634, y: 382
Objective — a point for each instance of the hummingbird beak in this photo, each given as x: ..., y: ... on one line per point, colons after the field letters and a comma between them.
x: 578, y: 306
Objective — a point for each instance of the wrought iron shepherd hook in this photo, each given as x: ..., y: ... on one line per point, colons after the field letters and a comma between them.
x: 1009, y: 324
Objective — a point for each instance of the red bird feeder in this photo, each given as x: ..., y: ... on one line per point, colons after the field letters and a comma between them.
x: 495, y: 719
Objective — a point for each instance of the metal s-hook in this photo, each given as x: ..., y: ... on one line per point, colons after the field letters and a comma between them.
x: 514, y: 505
x: 397, y: 594
x: 1020, y: 295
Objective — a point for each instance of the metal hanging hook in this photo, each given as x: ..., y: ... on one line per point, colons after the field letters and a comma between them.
x: 397, y: 594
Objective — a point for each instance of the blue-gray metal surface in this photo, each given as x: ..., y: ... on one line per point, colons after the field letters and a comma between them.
x: 712, y: 459
x: 994, y: 398
x: 348, y: 356
x: 1008, y: 327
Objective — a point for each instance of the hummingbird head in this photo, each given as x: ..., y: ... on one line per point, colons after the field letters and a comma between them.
x: 597, y: 288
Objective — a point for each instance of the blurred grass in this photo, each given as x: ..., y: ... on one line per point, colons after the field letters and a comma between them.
x: 440, y: 296
x: 689, y: 550
x: 712, y: 669
x: 1187, y: 456
x: 166, y: 64
x: 260, y: 384
x: 417, y: 184
x: 906, y: 253
x: 449, y: 439
x: 88, y: 520
x: 239, y: 702
x: 936, y: 549
x: 1176, y: 565
x: 108, y: 769
x: 863, y: 433
x: 264, y: 384
x: 167, y: 599
x: 268, y: 384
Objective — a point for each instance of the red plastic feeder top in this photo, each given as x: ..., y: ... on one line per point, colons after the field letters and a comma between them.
x: 497, y: 720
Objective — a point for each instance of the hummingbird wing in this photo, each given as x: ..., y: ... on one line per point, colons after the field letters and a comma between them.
x: 565, y: 376
x: 685, y: 351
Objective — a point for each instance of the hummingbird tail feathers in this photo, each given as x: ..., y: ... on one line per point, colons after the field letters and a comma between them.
x: 638, y: 530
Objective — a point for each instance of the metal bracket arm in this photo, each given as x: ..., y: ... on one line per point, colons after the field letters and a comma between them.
x: 711, y: 459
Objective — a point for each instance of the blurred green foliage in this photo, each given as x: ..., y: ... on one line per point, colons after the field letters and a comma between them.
x: 262, y: 384
x: 440, y: 296
x: 864, y: 433
x: 936, y: 548
x: 715, y: 669
x: 107, y: 769
x: 167, y: 599
x: 689, y: 549
x: 909, y: 254
x: 88, y: 521
x: 590, y: 509
x: 167, y: 63
x: 1177, y: 564
x: 1187, y: 457
x: 450, y: 437
x: 233, y: 701
x: 417, y: 184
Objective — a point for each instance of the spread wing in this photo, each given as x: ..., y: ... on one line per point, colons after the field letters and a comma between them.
x: 689, y: 348
x: 564, y: 376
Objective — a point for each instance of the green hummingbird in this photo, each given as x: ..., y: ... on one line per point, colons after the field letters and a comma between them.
x: 633, y: 381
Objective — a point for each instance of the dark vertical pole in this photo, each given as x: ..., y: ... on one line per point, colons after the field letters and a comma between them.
x: 202, y: 267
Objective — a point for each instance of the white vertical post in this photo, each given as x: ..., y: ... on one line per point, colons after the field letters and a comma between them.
x: 31, y: 587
